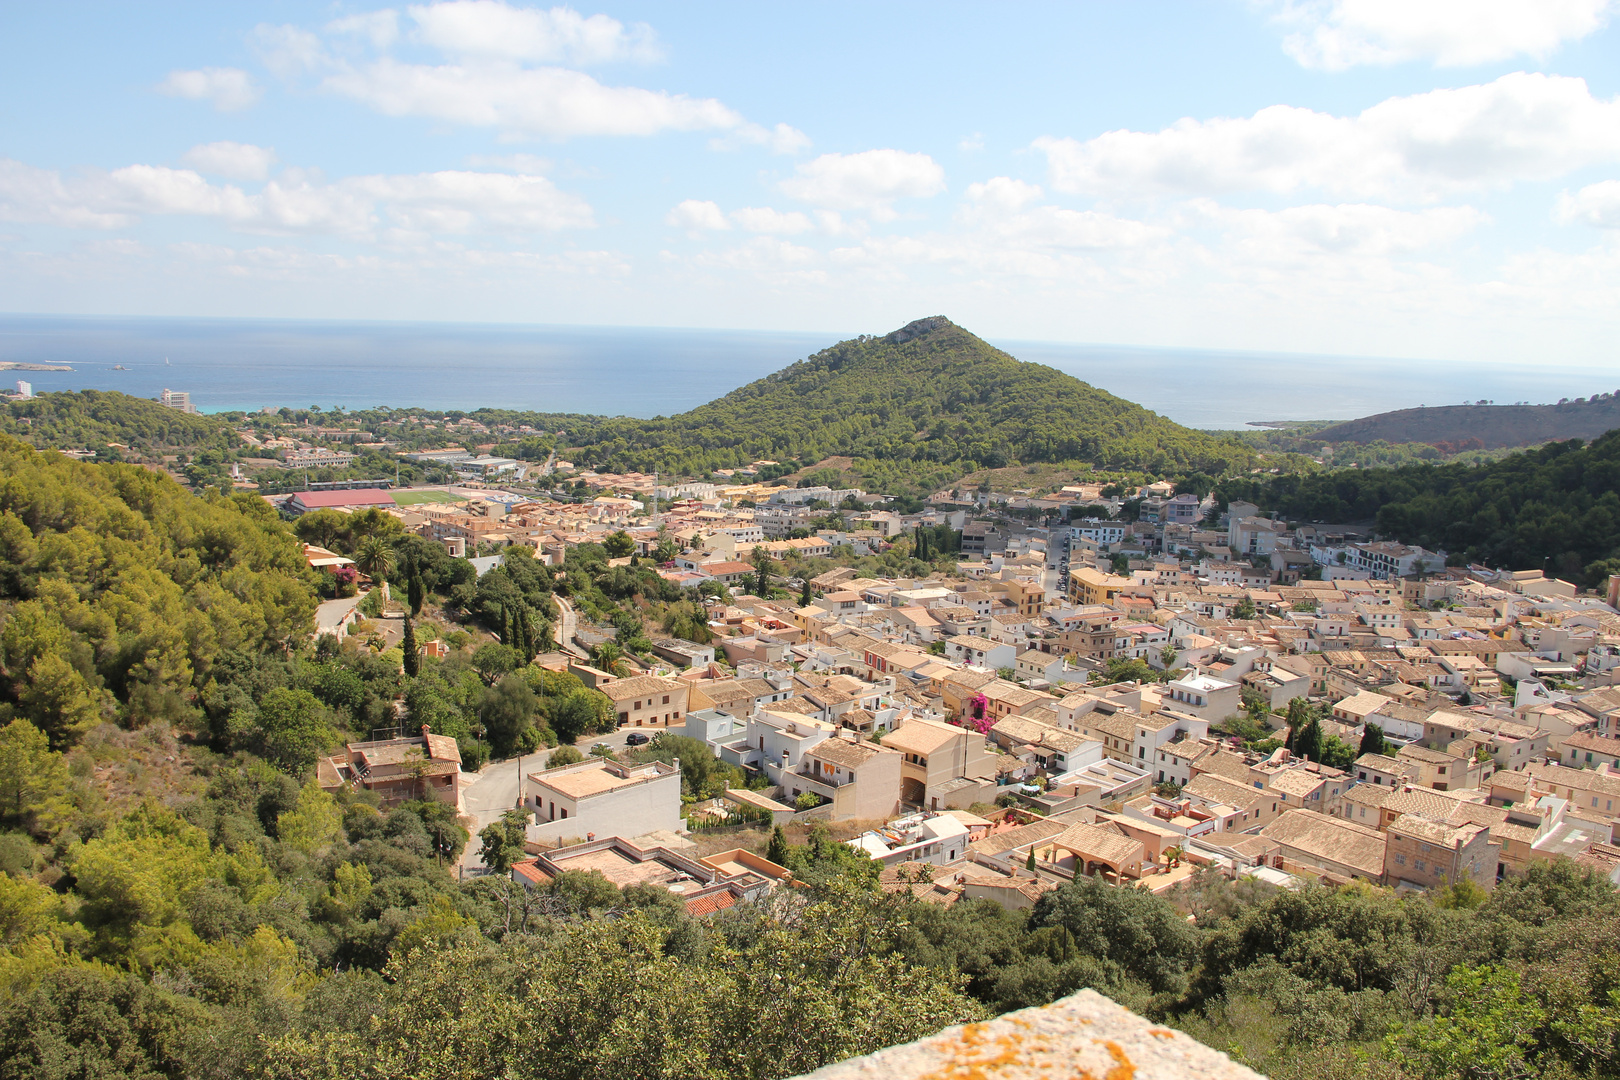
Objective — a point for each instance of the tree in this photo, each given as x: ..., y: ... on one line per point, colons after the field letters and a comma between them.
x: 804, y: 593
x: 619, y: 545
x: 566, y: 754
x: 375, y: 557
x: 1490, y: 1032
x: 293, y: 728
x: 494, y: 661
x: 777, y: 850
x: 506, y: 712
x: 1243, y: 609
x: 415, y: 594
x: 1167, y: 656
x: 30, y: 772
x: 407, y: 645
x: 315, y: 824
x: 762, y: 573
x: 573, y: 714
x: 502, y: 841
x: 1372, y: 740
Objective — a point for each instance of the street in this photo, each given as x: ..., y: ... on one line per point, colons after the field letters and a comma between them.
x: 494, y: 790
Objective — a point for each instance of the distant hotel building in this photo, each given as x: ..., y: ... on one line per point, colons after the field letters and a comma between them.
x: 177, y: 399
x: 25, y: 390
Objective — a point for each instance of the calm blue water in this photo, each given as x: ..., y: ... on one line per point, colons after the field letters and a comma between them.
x: 250, y: 363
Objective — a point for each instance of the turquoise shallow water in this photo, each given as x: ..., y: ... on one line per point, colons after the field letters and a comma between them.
x: 634, y: 371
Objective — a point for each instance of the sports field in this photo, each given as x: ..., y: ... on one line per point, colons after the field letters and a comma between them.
x: 424, y: 495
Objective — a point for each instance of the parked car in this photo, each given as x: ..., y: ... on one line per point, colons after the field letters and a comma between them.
x: 636, y: 738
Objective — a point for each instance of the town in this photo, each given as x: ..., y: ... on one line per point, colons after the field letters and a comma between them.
x: 1197, y: 689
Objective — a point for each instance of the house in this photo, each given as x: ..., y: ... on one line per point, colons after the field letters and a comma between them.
x: 425, y: 766
x: 980, y: 651
x: 1206, y: 696
x: 942, y: 766
x: 603, y: 798
x: 685, y: 654
x: 1303, y: 840
x: 1089, y: 586
x: 1424, y: 854
x: 647, y: 700
x: 927, y: 837
x: 859, y: 780
x: 1089, y: 850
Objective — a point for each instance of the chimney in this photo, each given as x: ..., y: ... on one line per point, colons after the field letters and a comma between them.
x: 425, y: 730
x: 590, y: 838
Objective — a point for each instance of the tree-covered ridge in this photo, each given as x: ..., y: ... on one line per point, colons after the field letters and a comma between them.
x: 929, y: 395
x: 120, y: 591
x: 1557, y: 507
x: 91, y: 419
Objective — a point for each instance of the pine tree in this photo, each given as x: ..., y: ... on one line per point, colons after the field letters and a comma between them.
x: 777, y: 850
x: 1372, y: 740
x: 413, y: 659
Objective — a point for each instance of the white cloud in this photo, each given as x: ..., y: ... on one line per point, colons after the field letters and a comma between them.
x: 763, y: 219
x: 1354, y: 229
x: 1003, y: 192
x: 232, y: 160
x: 697, y: 214
x: 360, y: 207
x: 488, y: 29
x: 28, y: 194
x: 228, y: 88
x: 1596, y: 204
x: 1335, y: 35
x: 551, y: 102
x: 869, y: 181
x: 1519, y: 127
x: 381, y: 28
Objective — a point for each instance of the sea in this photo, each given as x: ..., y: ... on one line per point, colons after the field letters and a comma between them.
x: 249, y: 364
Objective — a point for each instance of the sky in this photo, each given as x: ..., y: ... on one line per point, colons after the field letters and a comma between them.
x: 1434, y: 179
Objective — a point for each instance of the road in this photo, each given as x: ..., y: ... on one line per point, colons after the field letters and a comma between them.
x: 494, y: 790
x: 566, y: 624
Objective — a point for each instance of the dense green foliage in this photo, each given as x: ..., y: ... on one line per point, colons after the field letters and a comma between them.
x: 1556, y: 507
x: 91, y: 419
x: 930, y: 402
x: 122, y: 592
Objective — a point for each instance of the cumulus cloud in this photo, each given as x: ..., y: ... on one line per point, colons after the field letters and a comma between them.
x: 232, y: 160
x: 553, y: 102
x: 1519, y: 127
x: 1335, y: 35
x: 763, y: 219
x: 1352, y: 229
x: 490, y: 29
x: 1595, y: 204
x: 357, y: 207
x: 869, y: 181
x: 506, y: 67
x: 697, y: 214
x: 228, y: 88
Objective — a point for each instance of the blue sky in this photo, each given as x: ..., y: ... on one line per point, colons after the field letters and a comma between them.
x: 1423, y: 178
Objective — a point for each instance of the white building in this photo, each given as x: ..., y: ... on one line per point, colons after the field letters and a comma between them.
x: 602, y: 798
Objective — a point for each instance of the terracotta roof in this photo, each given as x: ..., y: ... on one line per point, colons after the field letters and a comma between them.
x: 1330, y: 839
x: 640, y: 686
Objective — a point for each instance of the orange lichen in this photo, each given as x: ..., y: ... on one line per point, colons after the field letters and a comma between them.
x: 975, y: 1053
x: 1161, y: 1033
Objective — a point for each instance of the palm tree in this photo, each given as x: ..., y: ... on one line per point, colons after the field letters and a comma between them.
x: 376, y: 558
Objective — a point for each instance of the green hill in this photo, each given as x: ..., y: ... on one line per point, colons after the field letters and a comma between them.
x: 928, y: 401
x: 1483, y: 426
x: 90, y: 419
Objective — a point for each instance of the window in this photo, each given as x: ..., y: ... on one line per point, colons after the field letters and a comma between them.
x: 1400, y: 858
x: 666, y: 699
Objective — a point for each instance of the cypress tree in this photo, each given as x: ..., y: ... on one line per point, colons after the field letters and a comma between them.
x: 804, y: 594
x: 1372, y: 740
x: 413, y: 660
x: 777, y: 850
x: 415, y: 594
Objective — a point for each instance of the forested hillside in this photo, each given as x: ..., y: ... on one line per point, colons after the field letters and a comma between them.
x: 1557, y: 507
x: 929, y: 400
x: 91, y: 419
x: 1483, y: 426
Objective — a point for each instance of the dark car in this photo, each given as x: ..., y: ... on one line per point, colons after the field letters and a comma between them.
x: 635, y: 738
